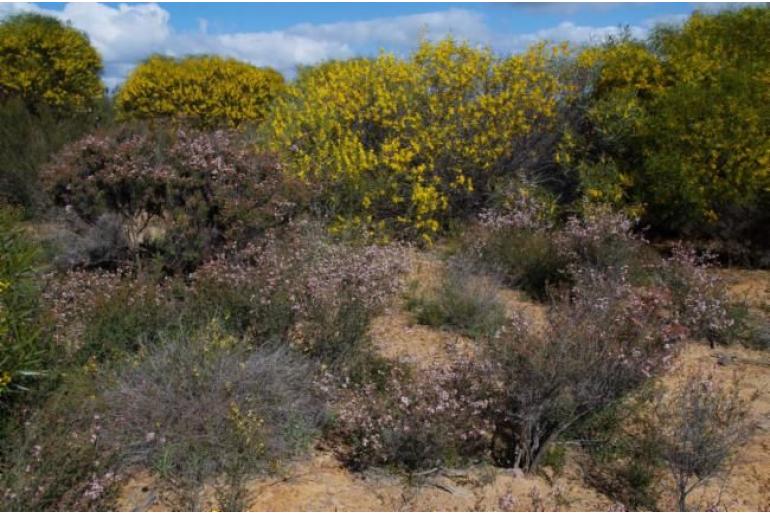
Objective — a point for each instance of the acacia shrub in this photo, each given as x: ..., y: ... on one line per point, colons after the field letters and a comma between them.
x: 205, y: 90
x: 45, y: 62
x: 657, y: 133
x: 403, y: 145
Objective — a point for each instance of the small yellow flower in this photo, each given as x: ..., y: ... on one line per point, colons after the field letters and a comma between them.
x: 5, y: 380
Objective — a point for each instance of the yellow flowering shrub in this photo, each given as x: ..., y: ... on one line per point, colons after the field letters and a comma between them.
x: 402, y: 145
x: 46, y: 62
x: 623, y: 65
x: 208, y: 90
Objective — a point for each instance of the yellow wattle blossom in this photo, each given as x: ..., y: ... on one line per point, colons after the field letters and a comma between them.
x: 42, y: 60
x: 403, y: 141
x: 207, y: 89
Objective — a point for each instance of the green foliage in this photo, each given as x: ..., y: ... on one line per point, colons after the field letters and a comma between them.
x: 676, y: 127
x: 28, y: 138
x: 208, y: 90
x: 530, y: 260
x: 43, y: 61
x: 56, y: 459
x: 623, y: 457
x: 460, y: 301
x: 555, y: 457
x: 22, y: 342
x: 120, y: 321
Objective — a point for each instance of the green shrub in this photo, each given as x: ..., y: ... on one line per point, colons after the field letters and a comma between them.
x: 530, y: 260
x: 657, y: 132
x: 23, y: 345
x: 555, y: 457
x: 758, y: 327
x: 57, y: 458
x: 124, y: 319
x: 28, y: 138
x: 462, y: 302
x: 622, y: 459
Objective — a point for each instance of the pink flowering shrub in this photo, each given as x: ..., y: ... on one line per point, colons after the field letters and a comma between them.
x: 100, y: 314
x: 437, y: 417
x: 699, y: 295
x: 599, y: 345
x: 521, y: 390
x: 514, y: 241
x: 521, y: 243
x: 178, y: 194
x: 298, y: 286
x: 600, y: 238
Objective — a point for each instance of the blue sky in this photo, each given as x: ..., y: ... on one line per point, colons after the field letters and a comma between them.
x: 286, y: 35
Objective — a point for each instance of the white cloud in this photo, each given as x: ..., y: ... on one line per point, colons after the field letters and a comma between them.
x: 400, y: 30
x: 574, y: 34
x: 126, y: 33
x: 121, y: 33
x: 280, y: 49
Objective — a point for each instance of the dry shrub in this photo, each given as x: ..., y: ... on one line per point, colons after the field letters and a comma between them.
x: 699, y: 425
x: 75, y: 244
x: 204, y: 405
x: 600, y: 345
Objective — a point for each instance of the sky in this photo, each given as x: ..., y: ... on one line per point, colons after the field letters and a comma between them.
x: 285, y: 35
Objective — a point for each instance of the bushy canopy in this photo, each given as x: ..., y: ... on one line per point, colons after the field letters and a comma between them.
x: 679, y: 125
x: 404, y: 144
x: 46, y: 62
x: 207, y: 90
